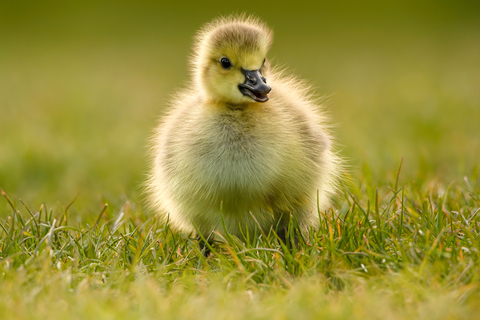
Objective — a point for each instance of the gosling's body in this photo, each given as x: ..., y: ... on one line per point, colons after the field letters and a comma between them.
x: 224, y: 159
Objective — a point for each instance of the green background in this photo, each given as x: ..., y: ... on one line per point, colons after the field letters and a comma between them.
x: 82, y: 85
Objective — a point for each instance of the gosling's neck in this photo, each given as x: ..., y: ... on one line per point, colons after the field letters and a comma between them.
x: 226, y: 106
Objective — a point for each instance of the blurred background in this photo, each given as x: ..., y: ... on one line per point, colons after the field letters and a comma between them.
x: 82, y: 85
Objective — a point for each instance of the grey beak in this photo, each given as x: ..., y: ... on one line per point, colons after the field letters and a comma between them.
x: 255, y: 86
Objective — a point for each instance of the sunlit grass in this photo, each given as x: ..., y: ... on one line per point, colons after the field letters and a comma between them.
x: 407, y: 251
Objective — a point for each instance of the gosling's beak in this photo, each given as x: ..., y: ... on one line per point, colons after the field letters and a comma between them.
x: 255, y: 86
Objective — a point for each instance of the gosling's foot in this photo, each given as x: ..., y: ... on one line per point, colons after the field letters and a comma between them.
x: 282, y: 234
x: 204, y: 246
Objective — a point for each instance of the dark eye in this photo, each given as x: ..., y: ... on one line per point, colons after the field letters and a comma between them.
x: 226, y: 64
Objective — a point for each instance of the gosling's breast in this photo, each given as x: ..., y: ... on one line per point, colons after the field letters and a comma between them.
x: 238, y: 152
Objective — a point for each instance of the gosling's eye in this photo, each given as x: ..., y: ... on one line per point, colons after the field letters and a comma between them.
x: 226, y: 64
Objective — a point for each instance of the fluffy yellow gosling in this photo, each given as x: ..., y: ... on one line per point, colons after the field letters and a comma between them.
x: 243, y: 146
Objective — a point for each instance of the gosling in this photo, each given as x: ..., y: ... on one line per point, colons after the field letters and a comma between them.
x: 244, y: 147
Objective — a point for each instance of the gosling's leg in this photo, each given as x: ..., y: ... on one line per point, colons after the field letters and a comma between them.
x: 282, y: 234
x: 204, y: 246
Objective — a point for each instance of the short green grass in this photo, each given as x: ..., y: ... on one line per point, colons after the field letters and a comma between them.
x: 81, y: 87
x: 409, y: 251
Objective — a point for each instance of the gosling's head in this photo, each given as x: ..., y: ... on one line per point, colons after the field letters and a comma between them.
x: 229, y: 60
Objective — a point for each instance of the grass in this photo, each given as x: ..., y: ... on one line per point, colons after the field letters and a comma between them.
x: 81, y: 87
x: 408, y: 252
